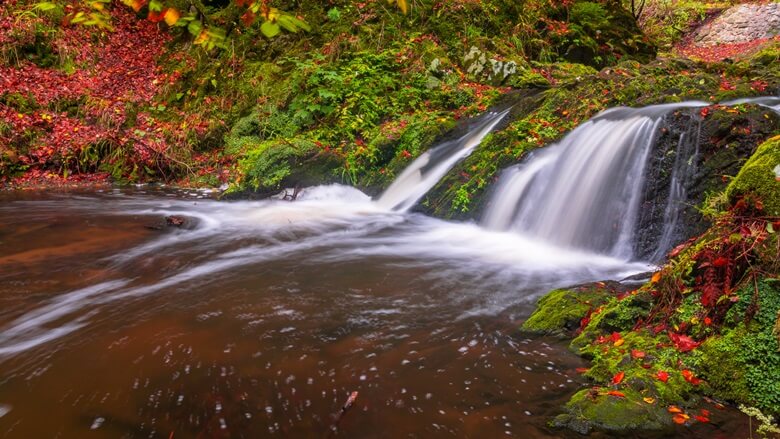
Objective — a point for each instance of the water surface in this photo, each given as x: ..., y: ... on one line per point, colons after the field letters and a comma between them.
x: 258, y: 319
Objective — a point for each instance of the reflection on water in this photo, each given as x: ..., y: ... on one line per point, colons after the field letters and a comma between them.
x: 259, y: 319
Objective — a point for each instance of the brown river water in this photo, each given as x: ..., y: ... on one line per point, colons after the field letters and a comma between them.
x: 258, y: 319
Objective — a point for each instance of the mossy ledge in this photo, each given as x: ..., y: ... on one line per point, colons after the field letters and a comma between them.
x: 702, y: 332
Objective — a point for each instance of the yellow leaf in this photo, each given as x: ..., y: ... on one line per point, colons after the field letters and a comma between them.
x: 171, y: 16
x: 648, y: 400
x: 203, y: 36
x: 620, y: 342
x: 656, y: 277
x: 403, y: 5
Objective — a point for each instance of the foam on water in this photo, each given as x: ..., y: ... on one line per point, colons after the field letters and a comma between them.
x: 327, y: 224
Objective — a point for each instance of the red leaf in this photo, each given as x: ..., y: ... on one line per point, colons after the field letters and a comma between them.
x: 663, y: 376
x: 679, y: 418
x: 582, y: 369
x: 682, y: 342
x: 616, y: 393
x: 618, y: 377
x: 690, y: 377
x: 720, y: 262
x: 702, y: 418
x: 637, y: 354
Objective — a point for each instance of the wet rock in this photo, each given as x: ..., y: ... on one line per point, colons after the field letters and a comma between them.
x: 759, y: 178
x: 695, y: 154
x: 560, y: 312
x: 590, y: 409
x: 174, y: 221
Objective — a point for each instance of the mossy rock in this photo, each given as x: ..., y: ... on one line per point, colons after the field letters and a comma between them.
x: 760, y: 177
x: 275, y: 165
x: 591, y: 409
x: 560, y: 312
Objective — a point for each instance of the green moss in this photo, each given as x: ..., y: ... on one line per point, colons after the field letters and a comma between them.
x: 722, y: 368
x: 560, y: 311
x: 759, y: 177
x: 269, y: 164
x: 591, y: 409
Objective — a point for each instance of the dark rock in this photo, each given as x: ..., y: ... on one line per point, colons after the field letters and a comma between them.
x: 706, y: 151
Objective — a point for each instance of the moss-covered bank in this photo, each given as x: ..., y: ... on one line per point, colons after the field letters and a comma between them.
x: 704, y: 325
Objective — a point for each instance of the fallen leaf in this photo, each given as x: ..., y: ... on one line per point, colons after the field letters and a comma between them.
x: 648, y: 400
x: 637, y: 354
x: 663, y: 376
x: 680, y: 418
x: 674, y: 409
x: 618, y: 378
x: 656, y: 277
x: 690, y: 377
x: 616, y: 393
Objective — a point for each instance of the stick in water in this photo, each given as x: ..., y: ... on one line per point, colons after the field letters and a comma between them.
x: 347, y: 405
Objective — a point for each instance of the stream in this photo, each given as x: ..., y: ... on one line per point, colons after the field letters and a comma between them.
x: 258, y: 319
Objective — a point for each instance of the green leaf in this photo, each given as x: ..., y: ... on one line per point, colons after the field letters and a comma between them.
x: 770, y: 228
x: 286, y: 22
x: 155, y: 6
x: 269, y: 29
x: 194, y: 28
x: 214, y: 83
x: 45, y: 6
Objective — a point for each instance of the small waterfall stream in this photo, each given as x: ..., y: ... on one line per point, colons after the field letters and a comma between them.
x: 420, y: 176
x: 584, y: 191
x: 260, y: 314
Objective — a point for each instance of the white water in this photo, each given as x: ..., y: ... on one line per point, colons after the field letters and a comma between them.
x: 422, y: 174
x: 771, y: 102
x: 326, y: 225
x: 583, y: 192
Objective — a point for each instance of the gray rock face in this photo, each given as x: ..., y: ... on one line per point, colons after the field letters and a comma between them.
x: 740, y: 24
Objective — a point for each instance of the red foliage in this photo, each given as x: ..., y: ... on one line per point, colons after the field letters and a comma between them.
x: 721, y: 51
x: 117, y: 71
x: 690, y: 377
x: 683, y: 343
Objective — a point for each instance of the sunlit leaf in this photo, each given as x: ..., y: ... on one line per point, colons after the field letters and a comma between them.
x: 195, y: 28
x: 155, y: 6
x: 269, y: 29
x: 171, y: 16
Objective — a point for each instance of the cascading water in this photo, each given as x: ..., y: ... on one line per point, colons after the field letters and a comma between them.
x: 420, y: 176
x: 771, y: 102
x: 584, y: 191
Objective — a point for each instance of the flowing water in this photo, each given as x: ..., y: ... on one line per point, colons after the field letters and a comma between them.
x: 583, y: 192
x: 420, y: 176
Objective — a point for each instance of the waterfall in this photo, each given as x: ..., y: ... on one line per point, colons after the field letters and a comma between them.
x: 423, y: 173
x: 583, y: 192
